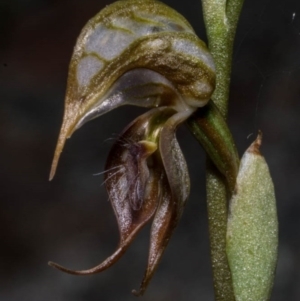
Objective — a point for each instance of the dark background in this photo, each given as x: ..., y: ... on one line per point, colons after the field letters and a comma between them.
x: 69, y: 220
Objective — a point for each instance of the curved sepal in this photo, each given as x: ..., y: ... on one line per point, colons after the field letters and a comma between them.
x: 175, y: 191
x: 133, y: 181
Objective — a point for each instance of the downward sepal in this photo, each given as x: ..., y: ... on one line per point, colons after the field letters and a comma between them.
x: 146, y: 176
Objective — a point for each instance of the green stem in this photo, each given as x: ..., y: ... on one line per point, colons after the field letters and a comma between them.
x: 217, y: 223
x: 211, y: 130
x: 221, y: 19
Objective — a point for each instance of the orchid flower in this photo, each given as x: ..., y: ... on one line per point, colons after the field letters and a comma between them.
x: 143, y: 53
x: 139, y: 53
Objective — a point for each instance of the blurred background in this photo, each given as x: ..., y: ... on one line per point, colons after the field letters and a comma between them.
x: 70, y: 220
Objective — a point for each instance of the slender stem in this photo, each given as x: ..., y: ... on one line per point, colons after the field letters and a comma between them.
x: 220, y: 18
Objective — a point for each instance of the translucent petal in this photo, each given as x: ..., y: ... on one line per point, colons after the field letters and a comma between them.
x: 139, y: 87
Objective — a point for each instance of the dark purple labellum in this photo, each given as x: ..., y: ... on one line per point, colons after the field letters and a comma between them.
x: 137, y: 172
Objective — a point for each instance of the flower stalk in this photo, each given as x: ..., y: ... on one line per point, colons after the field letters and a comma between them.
x: 220, y: 17
x: 211, y: 130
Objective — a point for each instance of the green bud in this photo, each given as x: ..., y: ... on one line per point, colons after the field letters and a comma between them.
x: 252, y: 233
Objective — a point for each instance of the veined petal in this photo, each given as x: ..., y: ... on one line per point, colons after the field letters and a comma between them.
x: 139, y: 87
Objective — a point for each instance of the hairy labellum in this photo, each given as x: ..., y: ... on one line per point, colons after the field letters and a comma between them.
x: 137, y: 172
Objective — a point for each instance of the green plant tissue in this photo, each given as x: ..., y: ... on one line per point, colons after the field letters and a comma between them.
x: 252, y: 231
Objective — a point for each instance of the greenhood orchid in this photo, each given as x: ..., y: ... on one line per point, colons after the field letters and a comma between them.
x: 143, y: 53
